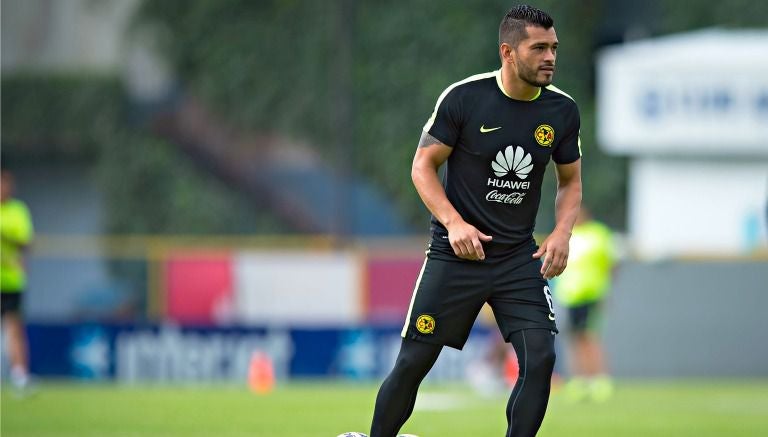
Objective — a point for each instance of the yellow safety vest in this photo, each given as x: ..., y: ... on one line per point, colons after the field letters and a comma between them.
x: 587, y: 277
x: 16, y: 230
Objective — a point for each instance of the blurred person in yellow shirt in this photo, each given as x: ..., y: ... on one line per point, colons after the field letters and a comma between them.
x: 581, y: 289
x: 16, y: 230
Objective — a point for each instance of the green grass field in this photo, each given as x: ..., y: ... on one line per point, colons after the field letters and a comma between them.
x: 322, y: 409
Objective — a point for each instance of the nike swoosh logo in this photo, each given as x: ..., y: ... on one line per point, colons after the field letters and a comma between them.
x: 485, y: 130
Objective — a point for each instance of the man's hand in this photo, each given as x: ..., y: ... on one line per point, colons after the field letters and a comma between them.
x: 466, y: 241
x: 554, y: 254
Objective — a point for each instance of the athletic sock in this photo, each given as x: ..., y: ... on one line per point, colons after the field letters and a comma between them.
x: 19, y: 377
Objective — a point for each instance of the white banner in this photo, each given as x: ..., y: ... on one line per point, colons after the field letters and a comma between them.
x: 702, y: 93
x: 297, y: 287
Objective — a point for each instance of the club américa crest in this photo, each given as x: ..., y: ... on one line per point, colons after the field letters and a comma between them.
x: 544, y: 135
x: 425, y: 324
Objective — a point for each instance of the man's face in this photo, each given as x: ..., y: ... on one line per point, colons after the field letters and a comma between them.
x: 535, y: 56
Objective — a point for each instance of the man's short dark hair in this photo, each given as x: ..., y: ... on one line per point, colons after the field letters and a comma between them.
x: 512, y: 27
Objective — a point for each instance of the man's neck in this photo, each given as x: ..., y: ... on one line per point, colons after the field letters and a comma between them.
x: 516, y: 88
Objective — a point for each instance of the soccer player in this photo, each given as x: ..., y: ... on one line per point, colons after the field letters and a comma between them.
x: 495, y: 132
x: 581, y: 290
x: 16, y: 232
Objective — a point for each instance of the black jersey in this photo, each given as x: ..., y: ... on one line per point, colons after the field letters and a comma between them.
x: 501, y: 148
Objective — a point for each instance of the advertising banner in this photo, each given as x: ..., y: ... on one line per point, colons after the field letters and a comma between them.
x: 199, y: 355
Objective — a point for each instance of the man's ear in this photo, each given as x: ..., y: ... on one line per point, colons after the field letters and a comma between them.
x: 506, y: 52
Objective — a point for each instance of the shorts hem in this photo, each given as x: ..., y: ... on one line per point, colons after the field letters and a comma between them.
x: 531, y: 326
x: 433, y: 340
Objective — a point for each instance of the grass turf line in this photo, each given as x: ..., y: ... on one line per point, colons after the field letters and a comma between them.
x: 699, y: 408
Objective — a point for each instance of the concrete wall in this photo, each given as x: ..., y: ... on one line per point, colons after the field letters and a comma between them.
x: 688, y: 319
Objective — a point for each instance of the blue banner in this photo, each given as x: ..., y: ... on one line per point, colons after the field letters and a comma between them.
x: 170, y: 353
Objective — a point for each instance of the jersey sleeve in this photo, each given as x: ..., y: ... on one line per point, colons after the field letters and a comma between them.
x: 569, y: 149
x: 446, y: 121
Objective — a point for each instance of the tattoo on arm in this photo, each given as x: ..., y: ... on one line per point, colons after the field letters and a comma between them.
x: 427, y: 140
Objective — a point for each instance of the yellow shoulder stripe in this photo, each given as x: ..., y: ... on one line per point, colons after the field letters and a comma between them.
x: 559, y: 91
x: 480, y: 76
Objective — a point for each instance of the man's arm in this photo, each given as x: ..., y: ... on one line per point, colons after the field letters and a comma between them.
x: 465, y: 239
x: 554, y: 249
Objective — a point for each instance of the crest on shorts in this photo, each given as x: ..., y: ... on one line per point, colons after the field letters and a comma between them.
x: 544, y: 135
x: 425, y: 324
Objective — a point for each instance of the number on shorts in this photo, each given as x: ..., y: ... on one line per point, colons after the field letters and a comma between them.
x: 548, y: 296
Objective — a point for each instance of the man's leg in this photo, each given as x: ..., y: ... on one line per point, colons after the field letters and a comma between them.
x: 535, y: 350
x: 17, y: 348
x: 397, y: 395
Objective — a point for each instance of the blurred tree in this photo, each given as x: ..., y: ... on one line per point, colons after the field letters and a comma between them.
x: 154, y: 189
x: 271, y: 66
x: 151, y: 186
x: 47, y: 117
x: 675, y: 16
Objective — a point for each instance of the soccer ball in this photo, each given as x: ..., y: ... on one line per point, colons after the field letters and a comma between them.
x: 360, y: 434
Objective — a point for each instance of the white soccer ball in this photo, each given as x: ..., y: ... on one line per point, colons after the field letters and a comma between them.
x: 360, y: 434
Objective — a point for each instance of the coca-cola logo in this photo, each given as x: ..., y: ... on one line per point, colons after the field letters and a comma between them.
x: 513, y: 198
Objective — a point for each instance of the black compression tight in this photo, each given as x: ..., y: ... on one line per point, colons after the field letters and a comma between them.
x: 535, y: 349
x: 397, y: 395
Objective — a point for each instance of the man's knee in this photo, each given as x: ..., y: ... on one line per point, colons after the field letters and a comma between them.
x: 539, y: 345
x: 415, y: 359
x: 406, y: 364
x: 544, y: 358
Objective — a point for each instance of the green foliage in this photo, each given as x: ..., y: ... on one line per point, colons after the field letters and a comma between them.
x: 679, y: 16
x: 149, y: 185
x: 46, y: 117
x: 153, y: 187
x: 263, y: 65
x: 277, y: 66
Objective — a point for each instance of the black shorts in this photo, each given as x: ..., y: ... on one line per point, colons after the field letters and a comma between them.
x: 584, y: 317
x: 10, y: 303
x: 450, y: 291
